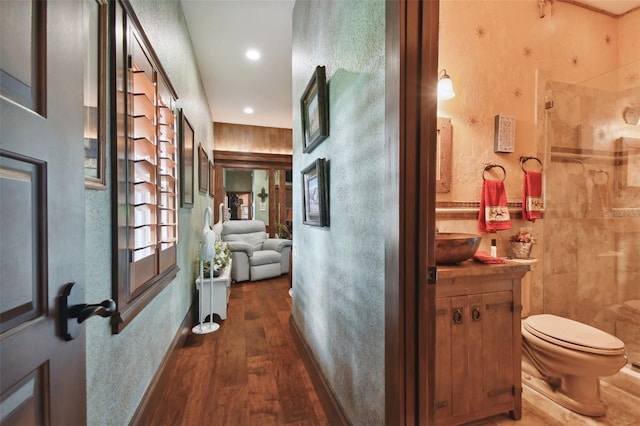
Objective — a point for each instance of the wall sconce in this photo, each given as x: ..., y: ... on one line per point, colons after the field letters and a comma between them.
x: 445, y: 86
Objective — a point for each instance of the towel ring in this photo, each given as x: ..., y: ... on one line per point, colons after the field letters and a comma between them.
x: 525, y: 159
x: 576, y: 161
x: 491, y: 166
x: 595, y: 173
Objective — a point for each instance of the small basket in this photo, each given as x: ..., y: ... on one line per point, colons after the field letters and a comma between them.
x: 521, y: 250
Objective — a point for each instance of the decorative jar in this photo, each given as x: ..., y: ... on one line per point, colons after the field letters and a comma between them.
x: 521, y: 250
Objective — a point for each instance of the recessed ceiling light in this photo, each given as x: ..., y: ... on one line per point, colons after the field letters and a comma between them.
x: 252, y: 54
x: 248, y: 110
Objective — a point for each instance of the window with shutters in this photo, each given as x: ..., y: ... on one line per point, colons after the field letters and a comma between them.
x: 145, y: 171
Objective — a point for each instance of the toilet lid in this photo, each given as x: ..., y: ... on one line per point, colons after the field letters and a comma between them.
x: 573, y: 334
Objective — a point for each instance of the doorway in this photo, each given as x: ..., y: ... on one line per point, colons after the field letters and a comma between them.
x: 264, y: 180
x: 239, y: 205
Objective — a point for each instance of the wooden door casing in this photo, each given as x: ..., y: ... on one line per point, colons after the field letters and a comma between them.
x: 411, y: 40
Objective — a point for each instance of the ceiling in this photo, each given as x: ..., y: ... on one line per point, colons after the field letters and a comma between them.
x: 616, y: 7
x: 222, y: 30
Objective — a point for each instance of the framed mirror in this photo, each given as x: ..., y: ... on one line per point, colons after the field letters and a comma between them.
x: 443, y: 160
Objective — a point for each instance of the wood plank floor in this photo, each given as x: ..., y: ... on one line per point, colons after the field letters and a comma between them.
x: 246, y: 373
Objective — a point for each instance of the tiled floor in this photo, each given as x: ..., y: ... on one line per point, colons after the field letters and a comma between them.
x: 537, y: 410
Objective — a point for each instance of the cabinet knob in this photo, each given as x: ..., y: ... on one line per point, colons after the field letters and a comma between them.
x: 442, y: 404
x: 475, y: 314
x: 457, y: 316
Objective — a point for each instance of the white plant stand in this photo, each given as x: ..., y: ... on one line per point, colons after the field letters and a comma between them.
x: 207, y: 253
x: 214, y: 298
x: 202, y: 327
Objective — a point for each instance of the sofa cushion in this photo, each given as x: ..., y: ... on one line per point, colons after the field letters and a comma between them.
x: 265, y: 271
x: 264, y: 257
x: 276, y: 244
x: 252, y: 236
x: 243, y: 230
x: 256, y: 244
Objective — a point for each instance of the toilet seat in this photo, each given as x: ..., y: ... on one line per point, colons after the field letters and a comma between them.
x: 573, y: 335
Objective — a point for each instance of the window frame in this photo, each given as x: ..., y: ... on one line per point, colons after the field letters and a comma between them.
x: 132, y: 299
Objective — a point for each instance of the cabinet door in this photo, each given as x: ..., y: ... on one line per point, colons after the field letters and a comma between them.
x: 497, y: 347
x: 461, y: 387
x: 443, y: 357
x: 475, y: 323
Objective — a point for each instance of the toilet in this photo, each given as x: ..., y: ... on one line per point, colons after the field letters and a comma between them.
x: 564, y: 359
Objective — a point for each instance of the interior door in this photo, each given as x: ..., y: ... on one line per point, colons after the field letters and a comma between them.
x: 42, y: 376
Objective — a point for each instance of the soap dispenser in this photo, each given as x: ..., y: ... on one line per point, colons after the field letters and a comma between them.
x: 494, y: 248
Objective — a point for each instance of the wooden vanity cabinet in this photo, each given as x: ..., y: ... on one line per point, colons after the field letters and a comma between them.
x: 478, y: 342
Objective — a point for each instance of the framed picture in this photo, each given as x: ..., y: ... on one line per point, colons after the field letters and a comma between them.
x: 315, y: 186
x: 186, y: 161
x: 203, y: 170
x: 314, y: 108
x: 95, y: 41
x: 212, y: 180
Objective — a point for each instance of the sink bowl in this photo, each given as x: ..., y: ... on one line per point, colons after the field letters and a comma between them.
x: 453, y: 247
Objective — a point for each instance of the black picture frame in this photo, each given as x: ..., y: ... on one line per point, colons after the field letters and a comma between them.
x: 314, y: 109
x: 203, y: 170
x: 212, y: 179
x: 186, y: 161
x: 315, y: 193
x: 95, y: 140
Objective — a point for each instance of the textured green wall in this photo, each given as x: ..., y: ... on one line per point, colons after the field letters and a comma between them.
x: 338, y: 296
x: 120, y: 367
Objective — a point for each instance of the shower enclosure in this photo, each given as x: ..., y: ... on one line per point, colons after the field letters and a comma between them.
x: 590, y: 136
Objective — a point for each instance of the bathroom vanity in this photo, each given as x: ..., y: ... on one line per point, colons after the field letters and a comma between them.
x: 478, y: 341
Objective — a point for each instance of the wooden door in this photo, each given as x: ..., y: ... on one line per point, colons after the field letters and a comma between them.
x: 42, y: 376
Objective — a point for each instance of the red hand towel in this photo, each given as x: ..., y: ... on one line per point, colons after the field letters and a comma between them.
x: 484, y: 257
x: 532, y: 202
x: 493, y: 215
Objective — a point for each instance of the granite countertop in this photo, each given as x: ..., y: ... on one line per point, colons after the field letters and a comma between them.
x: 470, y: 268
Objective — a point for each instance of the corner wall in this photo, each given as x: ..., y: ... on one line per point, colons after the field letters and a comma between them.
x: 338, y: 282
x: 120, y: 367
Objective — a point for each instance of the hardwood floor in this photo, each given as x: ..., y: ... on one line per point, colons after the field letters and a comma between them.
x: 246, y: 373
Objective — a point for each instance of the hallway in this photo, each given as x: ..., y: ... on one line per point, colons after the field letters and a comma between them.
x: 246, y: 373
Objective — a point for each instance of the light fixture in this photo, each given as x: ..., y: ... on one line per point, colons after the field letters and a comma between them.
x: 248, y: 110
x: 445, y: 87
x: 252, y: 54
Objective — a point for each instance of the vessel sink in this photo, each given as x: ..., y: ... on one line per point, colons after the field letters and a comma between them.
x: 453, y: 247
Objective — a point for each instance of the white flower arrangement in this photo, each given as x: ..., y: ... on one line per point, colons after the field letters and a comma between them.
x: 223, y: 255
x: 221, y: 260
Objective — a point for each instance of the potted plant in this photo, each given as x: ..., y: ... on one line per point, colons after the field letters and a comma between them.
x: 220, y: 261
x: 282, y: 231
x: 522, y: 243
